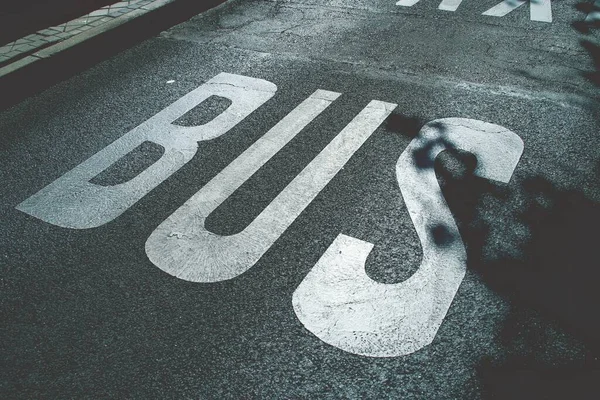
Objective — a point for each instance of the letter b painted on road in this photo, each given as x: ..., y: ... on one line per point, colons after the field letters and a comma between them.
x: 72, y: 201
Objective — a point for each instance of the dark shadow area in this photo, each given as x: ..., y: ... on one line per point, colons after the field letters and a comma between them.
x: 554, y: 266
x: 441, y: 235
x: 424, y: 155
x: 585, y: 26
x: 404, y: 125
x: 521, y: 379
x: 541, y: 256
x: 588, y: 21
x: 594, y: 52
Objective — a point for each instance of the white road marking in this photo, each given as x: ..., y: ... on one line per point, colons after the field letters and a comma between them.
x: 198, y: 255
x: 71, y: 201
x: 342, y: 306
x: 449, y: 5
x: 540, y: 10
x: 594, y: 15
x: 503, y: 8
x: 446, y: 5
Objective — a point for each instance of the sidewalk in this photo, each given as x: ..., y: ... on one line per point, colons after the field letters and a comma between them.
x: 44, y: 42
x: 38, y: 60
x: 23, y: 17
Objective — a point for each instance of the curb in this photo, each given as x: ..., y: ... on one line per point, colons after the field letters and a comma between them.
x: 80, y: 38
x: 50, y: 65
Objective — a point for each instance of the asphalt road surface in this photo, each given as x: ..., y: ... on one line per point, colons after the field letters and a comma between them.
x: 312, y: 244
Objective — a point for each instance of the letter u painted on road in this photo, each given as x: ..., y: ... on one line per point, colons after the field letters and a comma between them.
x: 342, y: 306
x: 183, y: 247
x: 72, y: 201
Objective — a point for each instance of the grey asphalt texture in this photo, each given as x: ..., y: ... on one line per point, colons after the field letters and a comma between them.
x: 85, y: 314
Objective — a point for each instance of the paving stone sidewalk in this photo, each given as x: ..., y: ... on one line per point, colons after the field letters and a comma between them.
x: 30, y: 44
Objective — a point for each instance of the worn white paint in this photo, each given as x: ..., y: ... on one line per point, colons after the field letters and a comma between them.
x: 446, y: 5
x: 540, y: 10
x: 449, y: 5
x: 342, y: 306
x: 71, y: 201
x: 503, y: 8
x: 183, y: 247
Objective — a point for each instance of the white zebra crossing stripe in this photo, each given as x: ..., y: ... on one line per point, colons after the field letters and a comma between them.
x: 540, y: 10
x: 447, y: 5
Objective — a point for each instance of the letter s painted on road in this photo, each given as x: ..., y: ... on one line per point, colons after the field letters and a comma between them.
x: 342, y: 306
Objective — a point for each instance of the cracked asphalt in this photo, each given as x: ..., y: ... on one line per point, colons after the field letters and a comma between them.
x: 86, y: 314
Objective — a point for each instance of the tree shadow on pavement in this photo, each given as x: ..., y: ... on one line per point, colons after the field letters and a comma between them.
x: 404, y: 125
x: 536, y: 245
x: 585, y: 26
x: 541, y: 255
x: 594, y: 52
